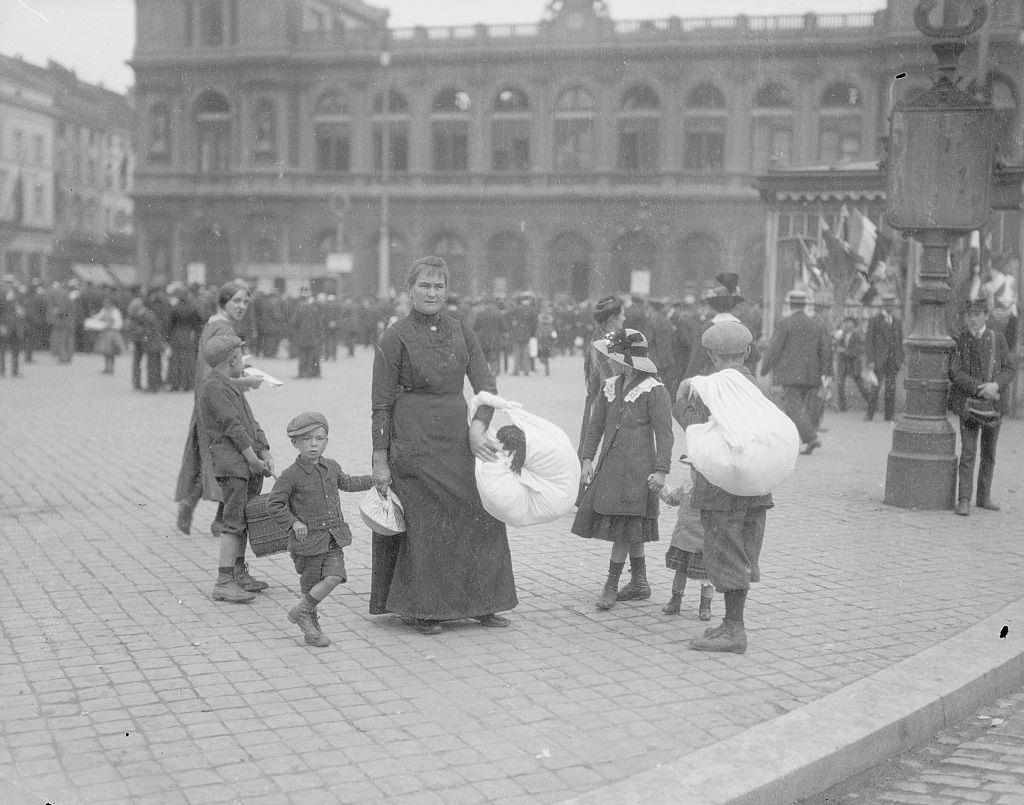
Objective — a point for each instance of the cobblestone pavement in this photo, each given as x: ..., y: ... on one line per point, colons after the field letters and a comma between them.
x: 977, y: 760
x: 120, y: 680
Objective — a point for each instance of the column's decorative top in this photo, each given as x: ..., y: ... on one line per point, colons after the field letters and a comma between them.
x: 950, y: 29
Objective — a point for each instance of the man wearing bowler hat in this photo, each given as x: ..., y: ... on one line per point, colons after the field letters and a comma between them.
x: 801, y: 358
x: 980, y: 368
x: 883, y: 354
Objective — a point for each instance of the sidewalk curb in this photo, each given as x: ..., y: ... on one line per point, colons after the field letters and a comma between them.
x: 816, y: 746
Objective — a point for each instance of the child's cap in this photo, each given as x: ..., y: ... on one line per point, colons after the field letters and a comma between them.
x: 727, y: 338
x: 219, y: 348
x: 305, y: 422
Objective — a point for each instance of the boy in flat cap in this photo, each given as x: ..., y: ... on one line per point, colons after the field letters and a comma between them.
x: 733, y: 524
x: 241, y: 457
x: 305, y: 500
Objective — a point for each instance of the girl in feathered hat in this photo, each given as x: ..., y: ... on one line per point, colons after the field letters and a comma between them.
x: 632, y: 421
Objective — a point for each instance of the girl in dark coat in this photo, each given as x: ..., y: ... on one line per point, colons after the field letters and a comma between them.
x: 632, y: 420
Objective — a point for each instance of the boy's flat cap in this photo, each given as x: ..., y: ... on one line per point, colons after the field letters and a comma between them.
x: 305, y: 422
x: 727, y: 338
x: 219, y: 348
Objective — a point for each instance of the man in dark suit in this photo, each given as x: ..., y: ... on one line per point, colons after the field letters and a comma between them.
x: 799, y: 355
x: 980, y: 367
x: 849, y: 353
x: 883, y: 354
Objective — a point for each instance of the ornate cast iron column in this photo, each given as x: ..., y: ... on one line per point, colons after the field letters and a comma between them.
x: 940, y: 161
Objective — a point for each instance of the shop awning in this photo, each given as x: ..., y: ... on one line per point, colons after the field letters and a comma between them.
x: 126, y: 275
x: 94, y: 273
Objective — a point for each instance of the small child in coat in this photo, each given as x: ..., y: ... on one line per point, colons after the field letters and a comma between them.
x: 305, y: 499
x: 685, y: 555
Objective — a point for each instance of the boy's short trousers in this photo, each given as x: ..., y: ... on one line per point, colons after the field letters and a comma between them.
x: 235, y: 493
x: 314, y: 569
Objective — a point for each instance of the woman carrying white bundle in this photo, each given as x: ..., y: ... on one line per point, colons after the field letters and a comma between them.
x: 536, y: 477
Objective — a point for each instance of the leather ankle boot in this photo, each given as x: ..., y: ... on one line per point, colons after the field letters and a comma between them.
x: 704, y: 611
x: 672, y: 607
x: 302, y: 616
x: 225, y: 589
x: 733, y: 638
x: 247, y: 582
x: 638, y: 589
x: 611, y: 586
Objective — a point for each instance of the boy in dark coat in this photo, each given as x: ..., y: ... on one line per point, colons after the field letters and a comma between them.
x: 981, y: 367
x: 241, y: 457
x: 305, y: 500
x: 733, y: 524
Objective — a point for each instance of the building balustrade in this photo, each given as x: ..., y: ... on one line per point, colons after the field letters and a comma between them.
x: 150, y: 182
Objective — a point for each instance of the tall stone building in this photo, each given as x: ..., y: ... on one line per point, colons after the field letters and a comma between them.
x: 580, y: 154
x: 66, y: 168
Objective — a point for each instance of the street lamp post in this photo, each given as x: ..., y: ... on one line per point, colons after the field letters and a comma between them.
x: 384, y: 244
x: 940, y: 161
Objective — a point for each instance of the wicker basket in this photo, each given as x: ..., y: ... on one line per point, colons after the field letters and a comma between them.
x: 265, y: 536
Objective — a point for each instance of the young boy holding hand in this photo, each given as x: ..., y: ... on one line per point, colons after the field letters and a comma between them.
x: 241, y: 457
x: 305, y: 499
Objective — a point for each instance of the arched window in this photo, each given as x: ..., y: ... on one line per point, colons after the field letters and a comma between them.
x: 159, y: 133
x: 398, y: 132
x: 450, y: 131
x: 217, y: 22
x: 574, y: 130
x: 506, y: 262
x: 840, y: 124
x: 632, y: 253
x: 332, y: 132
x: 773, y: 96
x: 639, y: 124
x: 213, y: 121
x: 772, y: 129
x: 570, y: 263
x: 510, y: 132
x: 704, y: 146
x: 700, y: 259
x: 264, y: 126
x: 1009, y: 136
x: 452, y: 249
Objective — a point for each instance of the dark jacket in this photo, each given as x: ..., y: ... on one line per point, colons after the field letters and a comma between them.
x: 799, y: 353
x: 307, y: 492
x: 969, y: 368
x: 230, y: 426
x: 705, y: 495
x: 883, y: 347
x: 636, y: 439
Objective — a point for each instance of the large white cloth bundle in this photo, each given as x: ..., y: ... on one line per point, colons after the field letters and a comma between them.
x: 546, y: 487
x: 749, y: 446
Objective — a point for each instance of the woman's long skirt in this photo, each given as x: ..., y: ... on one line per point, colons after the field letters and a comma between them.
x: 453, y: 560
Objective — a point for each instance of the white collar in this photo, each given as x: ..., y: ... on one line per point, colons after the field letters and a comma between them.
x: 644, y: 385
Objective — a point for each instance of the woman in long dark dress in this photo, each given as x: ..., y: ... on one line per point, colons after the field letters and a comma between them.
x: 195, y: 477
x: 453, y: 560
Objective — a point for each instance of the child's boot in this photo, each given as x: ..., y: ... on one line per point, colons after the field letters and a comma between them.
x: 638, y: 589
x: 707, y: 592
x: 244, y: 580
x: 732, y: 638
x: 611, y: 586
x: 226, y: 589
x: 301, y: 616
x: 678, y: 588
x: 315, y: 617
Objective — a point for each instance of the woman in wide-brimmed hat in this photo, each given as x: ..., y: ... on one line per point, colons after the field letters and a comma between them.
x: 632, y: 421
